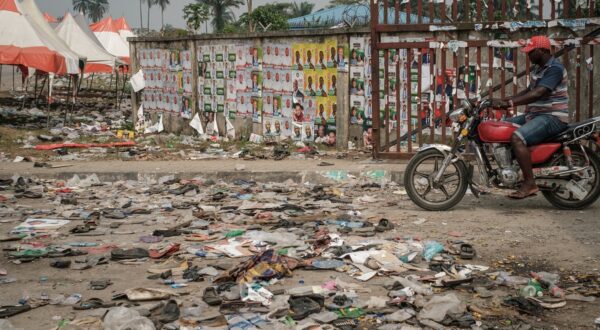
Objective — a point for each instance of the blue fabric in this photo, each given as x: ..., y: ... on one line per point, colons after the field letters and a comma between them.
x: 536, y: 129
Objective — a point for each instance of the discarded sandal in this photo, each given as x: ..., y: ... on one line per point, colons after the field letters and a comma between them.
x: 467, y: 251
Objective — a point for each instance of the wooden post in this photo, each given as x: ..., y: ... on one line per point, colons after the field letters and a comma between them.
x: 13, y: 77
x: 133, y: 68
x: 194, y: 100
x: 1, y: 68
x: 117, y: 89
x: 35, y: 89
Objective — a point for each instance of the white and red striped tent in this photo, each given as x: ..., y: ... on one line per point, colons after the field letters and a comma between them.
x: 124, y: 29
x: 73, y: 33
x: 108, y: 34
x: 26, y: 39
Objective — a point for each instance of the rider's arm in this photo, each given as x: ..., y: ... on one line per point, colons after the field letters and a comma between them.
x: 530, y: 96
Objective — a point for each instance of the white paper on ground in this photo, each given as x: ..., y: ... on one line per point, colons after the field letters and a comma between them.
x: 137, y: 81
x: 31, y: 225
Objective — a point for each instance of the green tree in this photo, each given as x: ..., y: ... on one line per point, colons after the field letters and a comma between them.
x: 301, y: 9
x: 222, y: 13
x: 97, y: 10
x: 270, y: 17
x: 163, y: 5
x: 195, y: 14
x: 82, y: 6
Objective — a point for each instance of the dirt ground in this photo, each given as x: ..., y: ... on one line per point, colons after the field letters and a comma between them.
x: 521, y: 236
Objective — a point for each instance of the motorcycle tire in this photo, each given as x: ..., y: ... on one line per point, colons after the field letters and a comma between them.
x: 561, y: 203
x: 411, y: 191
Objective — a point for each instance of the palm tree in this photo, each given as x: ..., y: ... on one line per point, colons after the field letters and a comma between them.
x: 163, y: 5
x: 150, y: 3
x: 221, y: 12
x: 141, y: 16
x: 98, y: 9
x: 302, y: 9
x: 82, y: 6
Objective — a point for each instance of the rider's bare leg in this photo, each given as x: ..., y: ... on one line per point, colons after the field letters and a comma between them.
x: 524, y: 159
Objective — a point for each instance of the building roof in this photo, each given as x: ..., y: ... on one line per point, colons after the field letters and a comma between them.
x: 346, y: 16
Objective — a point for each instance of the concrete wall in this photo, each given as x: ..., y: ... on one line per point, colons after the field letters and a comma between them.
x: 485, y: 77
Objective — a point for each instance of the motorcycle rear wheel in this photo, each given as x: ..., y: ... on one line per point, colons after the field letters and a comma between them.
x: 563, y: 199
x: 416, y: 179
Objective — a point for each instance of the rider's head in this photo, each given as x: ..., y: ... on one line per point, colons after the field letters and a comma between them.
x: 538, y: 49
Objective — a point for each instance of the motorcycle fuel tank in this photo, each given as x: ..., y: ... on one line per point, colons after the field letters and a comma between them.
x: 501, y: 131
x: 496, y: 131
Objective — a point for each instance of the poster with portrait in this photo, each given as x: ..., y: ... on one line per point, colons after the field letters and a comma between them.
x: 309, y: 83
x: 186, y: 107
x: 285, y: 56
x: 332, y: 82
x: 298, y: 86
x: 241, y: 58
x: 256, y: 83
x: 332, y: 113
x: 243, y: 78
x: 322, y: 80
x: 287, y: 106
x: 357, y: 51
x: 268, y: 79
x: 308, y: 132
x: 208, y: 103
x: 342, y: 59
x: 287, y: 86
x: 297, y: 131
x: 243, y: 104
x: 277, y: 105
x: 321, y: 113
x: 310, y: 56
x: 187, y: 82
x: 267, y: 104
x: 256, y: 57
x: 268, y: 54
x: 310, y: 108
x: 331, y: 53
x: 320, y: 56
x: 286, y: 130
x: 186, y: 56
x: 298, y: 56
x: 180, y: 82
x: 357, y: 83
x: 231, y: 91
x: 278, y: 125
x: 174, y: 60
x: 357, y: 109
x: 256, y: 109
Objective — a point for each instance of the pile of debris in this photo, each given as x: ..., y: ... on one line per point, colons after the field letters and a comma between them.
x: 247, y: 255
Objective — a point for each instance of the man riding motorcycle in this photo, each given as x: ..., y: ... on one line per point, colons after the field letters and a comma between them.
x: 547, y: 111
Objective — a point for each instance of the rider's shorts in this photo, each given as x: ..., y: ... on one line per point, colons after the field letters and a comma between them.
x: 536, y: 129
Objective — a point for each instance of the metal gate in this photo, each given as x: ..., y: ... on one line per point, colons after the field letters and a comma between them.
x: 428, y: 64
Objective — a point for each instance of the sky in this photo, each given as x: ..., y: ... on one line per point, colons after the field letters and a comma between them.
x: 131, y: 10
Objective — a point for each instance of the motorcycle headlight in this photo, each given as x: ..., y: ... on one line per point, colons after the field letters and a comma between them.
x: 459, y: 115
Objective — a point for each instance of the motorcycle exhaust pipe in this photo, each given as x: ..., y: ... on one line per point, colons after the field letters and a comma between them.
x: 554, y: 171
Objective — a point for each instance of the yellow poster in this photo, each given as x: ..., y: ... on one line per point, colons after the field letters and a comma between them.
x: 298, y: 56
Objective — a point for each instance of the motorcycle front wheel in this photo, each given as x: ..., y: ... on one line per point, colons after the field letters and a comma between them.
x: 564, y: 199
x: 423, y: 191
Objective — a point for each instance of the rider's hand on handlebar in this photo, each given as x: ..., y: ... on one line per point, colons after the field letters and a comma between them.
x: 500, y: 104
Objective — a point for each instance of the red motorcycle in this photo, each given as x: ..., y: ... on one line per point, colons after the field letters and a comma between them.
x: 566, y: 169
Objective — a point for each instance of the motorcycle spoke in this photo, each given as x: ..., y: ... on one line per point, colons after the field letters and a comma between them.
x: 421, y: 174
x: 436, y: 166
x: 443, y: 189
x: 448, y: 176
